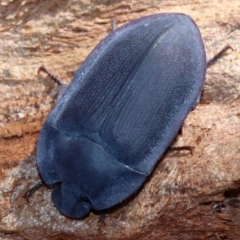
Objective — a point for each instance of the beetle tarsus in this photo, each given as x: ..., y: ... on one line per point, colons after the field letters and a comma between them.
x: 188, y: 148
x: 212, y: 60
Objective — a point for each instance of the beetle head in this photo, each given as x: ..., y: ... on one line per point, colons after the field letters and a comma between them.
x: 70, y: 201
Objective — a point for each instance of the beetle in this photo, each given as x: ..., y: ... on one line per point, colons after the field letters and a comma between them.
x: 121, y: 111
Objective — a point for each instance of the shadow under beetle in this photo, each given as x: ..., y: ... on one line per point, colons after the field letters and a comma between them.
x: 122, y: 110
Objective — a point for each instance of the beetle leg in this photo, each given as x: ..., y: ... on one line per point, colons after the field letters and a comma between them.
x: 60, y: 83
x: 54, y: 78
x: 102, y: 218
x: 180, y: 131
x: 113, y: 24
x: 188, y: 148
x: 197, y: 102
x: 212, y: 60
x: 32, y: 190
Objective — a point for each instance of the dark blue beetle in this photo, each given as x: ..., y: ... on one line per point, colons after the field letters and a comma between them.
x: 123, y: 108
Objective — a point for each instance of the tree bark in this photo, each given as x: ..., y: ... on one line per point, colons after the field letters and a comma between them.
x: 186, y: 197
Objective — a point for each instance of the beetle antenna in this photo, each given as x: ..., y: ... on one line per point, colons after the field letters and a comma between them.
x: 32, y: 190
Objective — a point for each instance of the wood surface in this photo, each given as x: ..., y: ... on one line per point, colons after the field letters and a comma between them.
x: 186, y: 197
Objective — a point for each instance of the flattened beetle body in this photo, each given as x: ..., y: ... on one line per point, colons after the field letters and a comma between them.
x: 123, y: 108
